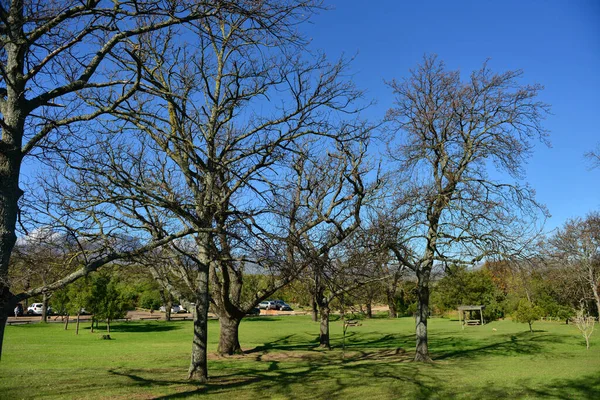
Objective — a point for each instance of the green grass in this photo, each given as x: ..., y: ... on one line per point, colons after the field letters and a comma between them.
x: 150, y: 359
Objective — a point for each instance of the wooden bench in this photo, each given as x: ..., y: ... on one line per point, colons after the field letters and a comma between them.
x: 352, y: 322
x: 154, y: 318
x: 183, y: 318
x: 20, y: 322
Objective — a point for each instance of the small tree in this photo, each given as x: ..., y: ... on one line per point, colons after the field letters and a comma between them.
x: 80, y: 297
x: 527, y: 312
x: 585, y: 324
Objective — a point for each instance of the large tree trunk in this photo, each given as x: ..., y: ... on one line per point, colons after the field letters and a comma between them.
x: 422, y: 350
x: 324, y: 327
x: 13, y: 113
x: 198, y: 366
x: 369, y: 309
x: 9, y: 196
x: 168, y: 309
x: 393, y: 310
x: 229, y: 343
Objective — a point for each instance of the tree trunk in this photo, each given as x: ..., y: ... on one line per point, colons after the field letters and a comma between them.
x: 324, y: 328
x: 108, y: 326
x: 530, y: 328
x: 393, y: 310
x: 594, y: 285
x: 229, y: 343
x: 13, y: 112
x: 422, y: 350
x: 369, y: 309
x: 314, y: 309
x: 67, y: 322
x: 77, y: 325
x: 92, y: 326
x: 45, y: 308
x: 198, y: 366
x: 168, y: 309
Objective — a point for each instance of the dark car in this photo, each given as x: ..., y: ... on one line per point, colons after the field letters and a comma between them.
x: 279, y: 304
x: 254, y: 311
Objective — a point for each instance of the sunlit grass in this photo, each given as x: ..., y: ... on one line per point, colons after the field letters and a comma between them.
x: 149, y: 360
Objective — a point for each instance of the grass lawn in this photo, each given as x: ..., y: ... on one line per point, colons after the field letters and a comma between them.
x: 149, y: 360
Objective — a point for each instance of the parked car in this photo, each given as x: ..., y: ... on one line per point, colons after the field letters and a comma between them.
x: 37, y: 308
x: 286, y: 307
x: 279, y: 304
x: 175, y: 308
x: 263, y: 305
x: 254, y: 311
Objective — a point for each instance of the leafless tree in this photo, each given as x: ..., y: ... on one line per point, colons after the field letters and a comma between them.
x: 55, y: 55
x: 585, y: 324
x: 207, y: 144
x: 448, y: 132
x: 577, y: 247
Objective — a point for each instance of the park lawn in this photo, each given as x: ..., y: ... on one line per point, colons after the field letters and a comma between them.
x: 149, y: 360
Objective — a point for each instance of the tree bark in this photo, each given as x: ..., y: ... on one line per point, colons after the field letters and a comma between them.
x: 198, y: 366
x: 314, y: 309
x: 369, y: 309
x: 229, y: 343
x: 594, y: 285
x: 324, y: 327
x: 77, y: 325
x: 422, y: 349
x: 13, y: 125
x: 168, y: 309
x: 393, y: 310
x: 67, y: 322
x: 45, y: 308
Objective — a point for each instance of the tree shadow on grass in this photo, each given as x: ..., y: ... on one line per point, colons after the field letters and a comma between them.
x: 140, y: 327
x: 281, y: 379
x: 517, y: 344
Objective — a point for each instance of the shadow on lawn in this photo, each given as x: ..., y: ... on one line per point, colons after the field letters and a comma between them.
x: 518, y: 344
x: 328, y: 381
x: 285, y: 366
x: 140, y: 327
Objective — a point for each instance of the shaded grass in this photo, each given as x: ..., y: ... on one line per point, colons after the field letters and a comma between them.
x: 282, y: 360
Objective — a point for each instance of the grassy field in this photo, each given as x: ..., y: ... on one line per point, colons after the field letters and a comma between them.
x: 149, y: 360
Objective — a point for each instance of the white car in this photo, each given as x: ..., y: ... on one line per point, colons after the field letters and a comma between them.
x: 36, y: 309
x: 174, y: 309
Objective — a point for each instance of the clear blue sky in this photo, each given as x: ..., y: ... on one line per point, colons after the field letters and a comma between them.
x: 556, y: 43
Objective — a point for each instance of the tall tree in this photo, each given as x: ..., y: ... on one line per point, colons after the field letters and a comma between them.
x: 449, y: 132
x: 577, y: 246
x: 207, y: 143
x: 54, y: 57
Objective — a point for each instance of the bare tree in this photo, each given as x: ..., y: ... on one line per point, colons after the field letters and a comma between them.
x: 55, y: 56
x: 585, y: 324
x: 577, y: 246
x: 207, y: 143
x: 449, y: 132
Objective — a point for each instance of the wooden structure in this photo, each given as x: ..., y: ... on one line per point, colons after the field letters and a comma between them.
x: 462, y: 313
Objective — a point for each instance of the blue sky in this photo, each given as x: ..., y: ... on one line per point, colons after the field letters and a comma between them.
x: 556, y: 43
